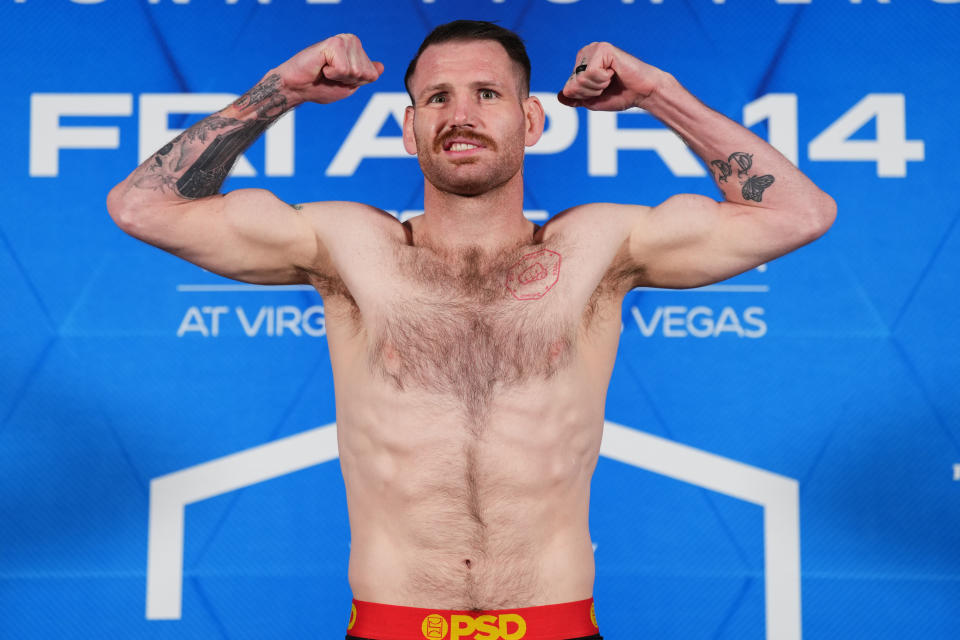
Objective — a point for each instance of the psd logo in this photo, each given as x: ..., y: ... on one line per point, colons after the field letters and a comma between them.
x: 506, y: 626
x: 353, y: 617
x: 434, y: 627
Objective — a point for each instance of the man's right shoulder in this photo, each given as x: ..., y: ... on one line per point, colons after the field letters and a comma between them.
x: 345, y: 222
x: 356, y: 252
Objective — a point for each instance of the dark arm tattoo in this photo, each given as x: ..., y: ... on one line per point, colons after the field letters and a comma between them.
x: 723, y: 169
x: 265, y: 97
x: 205, y: 176
x: 753, y: 186
x: 195, y: 170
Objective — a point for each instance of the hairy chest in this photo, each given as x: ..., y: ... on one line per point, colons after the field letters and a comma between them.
x: 465, y: 348
x: 466, y: 326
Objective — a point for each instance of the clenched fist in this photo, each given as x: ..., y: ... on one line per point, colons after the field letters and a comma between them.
x: 328, y: 71
x: 606, y: 78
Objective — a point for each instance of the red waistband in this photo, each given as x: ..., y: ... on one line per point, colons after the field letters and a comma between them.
x: 548, y: 622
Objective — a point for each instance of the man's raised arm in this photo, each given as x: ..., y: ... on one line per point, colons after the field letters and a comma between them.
x: 770, y: 207
x: 172, y: 200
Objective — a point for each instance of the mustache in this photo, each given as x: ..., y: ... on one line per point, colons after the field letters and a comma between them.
x: 465, y: 135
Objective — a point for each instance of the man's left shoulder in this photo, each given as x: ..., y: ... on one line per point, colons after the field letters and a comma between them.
x: 595, y: 221
x: 594, y: 239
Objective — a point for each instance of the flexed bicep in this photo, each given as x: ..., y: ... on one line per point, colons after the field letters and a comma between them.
x: 691, y: 240
x: 248, y: 235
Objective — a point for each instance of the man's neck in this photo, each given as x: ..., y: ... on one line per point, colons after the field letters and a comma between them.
x: 490, y: 221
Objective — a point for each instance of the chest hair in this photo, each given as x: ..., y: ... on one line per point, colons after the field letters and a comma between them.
x: 457, y: 330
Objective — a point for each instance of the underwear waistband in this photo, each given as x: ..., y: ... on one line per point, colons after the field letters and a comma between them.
x: 547, y: 622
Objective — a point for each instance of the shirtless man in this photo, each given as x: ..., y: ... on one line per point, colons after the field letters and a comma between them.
x: 471, y: 349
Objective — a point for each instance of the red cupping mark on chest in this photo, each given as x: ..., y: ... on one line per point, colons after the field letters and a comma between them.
x: 531, y: 277
x: 533, y: 273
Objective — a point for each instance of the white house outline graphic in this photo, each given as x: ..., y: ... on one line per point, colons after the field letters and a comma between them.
x: 778, y: 495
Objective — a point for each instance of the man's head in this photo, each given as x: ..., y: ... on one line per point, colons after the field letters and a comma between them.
x: 472, y: 114
x: 459, y: 30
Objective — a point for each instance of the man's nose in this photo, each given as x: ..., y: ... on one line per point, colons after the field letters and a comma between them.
x: 463, y: 113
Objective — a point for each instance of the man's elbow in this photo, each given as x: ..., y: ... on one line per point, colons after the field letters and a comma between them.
x: 820, y: 217
x: 128, y: 212
x: 119, y: 207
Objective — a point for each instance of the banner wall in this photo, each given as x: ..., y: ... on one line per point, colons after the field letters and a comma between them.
x: 782, y: 452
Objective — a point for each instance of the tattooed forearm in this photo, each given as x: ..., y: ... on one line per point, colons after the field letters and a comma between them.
x: 207, y: 173
x: 196, y: 163
x: 743, y: 160
x: 265, y: 97
x: 723, y: 169
x: 752, y: 186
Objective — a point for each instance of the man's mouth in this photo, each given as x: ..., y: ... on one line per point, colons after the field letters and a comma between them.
x: 459, y: 142
x: 461, y: 146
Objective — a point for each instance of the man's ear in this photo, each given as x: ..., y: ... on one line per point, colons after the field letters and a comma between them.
x: 409, y: 140
x: 536, y: 118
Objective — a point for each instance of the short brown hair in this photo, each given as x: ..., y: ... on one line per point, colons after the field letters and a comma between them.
x: 475, y: 30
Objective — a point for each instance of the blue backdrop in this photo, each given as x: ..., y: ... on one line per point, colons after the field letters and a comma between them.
x: 834, y: 368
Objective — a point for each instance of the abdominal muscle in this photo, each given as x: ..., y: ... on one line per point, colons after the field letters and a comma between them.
x: 447, y: 515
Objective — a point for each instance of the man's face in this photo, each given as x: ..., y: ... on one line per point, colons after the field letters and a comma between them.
x: 469, y: 123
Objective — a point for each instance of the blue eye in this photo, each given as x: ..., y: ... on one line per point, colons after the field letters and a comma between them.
x: 488, y: 93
